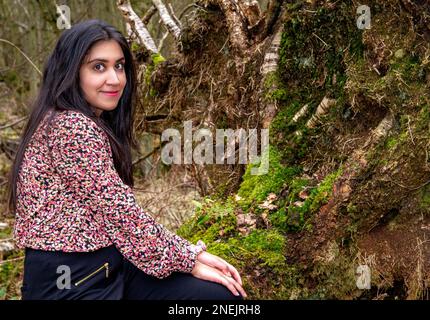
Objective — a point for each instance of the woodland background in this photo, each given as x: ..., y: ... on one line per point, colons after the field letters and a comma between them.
x: 348, y: 114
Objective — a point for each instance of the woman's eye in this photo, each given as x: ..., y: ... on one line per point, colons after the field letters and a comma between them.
x: 99, y: 67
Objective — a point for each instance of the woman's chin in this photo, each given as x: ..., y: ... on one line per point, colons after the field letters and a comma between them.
x: 99, y: 110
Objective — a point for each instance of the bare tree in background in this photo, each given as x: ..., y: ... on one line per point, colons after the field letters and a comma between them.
x: 238, y: 38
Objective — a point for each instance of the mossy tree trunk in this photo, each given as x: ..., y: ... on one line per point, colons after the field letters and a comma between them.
x: 347, y: 110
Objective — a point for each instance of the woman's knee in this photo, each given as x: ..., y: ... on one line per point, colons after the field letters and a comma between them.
x: 214, y: 291
x: 180, y: 286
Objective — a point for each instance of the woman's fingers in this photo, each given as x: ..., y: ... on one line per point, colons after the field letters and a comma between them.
x: 232, y: 284
x: 235, y: 273
x: 222, y: 265
x: 237, y: 286
x: 205, y: 272
x: 228, y: 269
x: 231, y: 271
x: 211, y: 274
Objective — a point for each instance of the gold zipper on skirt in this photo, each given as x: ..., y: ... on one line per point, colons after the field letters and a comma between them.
x: 105, y: 266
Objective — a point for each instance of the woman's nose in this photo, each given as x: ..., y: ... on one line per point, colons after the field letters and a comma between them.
x: 112, y: 78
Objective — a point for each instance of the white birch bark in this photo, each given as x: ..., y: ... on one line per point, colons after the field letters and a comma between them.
x: 137, y: 25
x: 167, y: 20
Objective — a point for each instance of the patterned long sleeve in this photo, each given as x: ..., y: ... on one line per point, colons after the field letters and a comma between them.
x: 82, y: 157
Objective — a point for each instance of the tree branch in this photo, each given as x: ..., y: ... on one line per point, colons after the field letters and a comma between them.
x: 148, y: 15
x: 167, y: 19
x: 137, y: 25
x: 272, y: 13
x: 270, y: 65
x: 236, y: 24
x: 271, y: 58
x: 178, y: 22
x: 146, y: 155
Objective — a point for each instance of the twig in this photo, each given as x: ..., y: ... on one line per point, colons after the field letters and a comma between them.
x: 325, y: 43
x: 226, y: 40
x: 160, y: 44
x: 408, y: 188
x: 29, y: 60
x: 175, y: 216
x: 190, y: 6
x: 168, y: 190
x: 409, y: 129
x: 147, y: 17
x: 174, y: 17
x: 13, y: 123
x: 198, y: 83
x: 10, y: 260
x: 146, y: 155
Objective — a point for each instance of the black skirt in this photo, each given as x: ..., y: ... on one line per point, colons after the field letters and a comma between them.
x: 105, y: 274
x: 57, y: 275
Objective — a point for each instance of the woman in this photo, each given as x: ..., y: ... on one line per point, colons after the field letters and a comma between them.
x: 85, y: 237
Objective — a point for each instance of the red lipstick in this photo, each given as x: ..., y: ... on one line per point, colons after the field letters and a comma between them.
x: 111, y: 93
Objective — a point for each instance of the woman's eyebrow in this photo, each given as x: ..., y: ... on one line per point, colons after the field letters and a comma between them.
x: 105, y: 60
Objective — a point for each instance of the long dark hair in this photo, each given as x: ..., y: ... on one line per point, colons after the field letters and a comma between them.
x: 60, y: 90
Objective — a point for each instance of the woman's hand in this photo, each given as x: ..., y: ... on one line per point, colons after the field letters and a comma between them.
x: 216, y: 262
x: 207, y: 272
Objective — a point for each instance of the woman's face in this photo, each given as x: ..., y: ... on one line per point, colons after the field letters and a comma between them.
x: 102, y: 76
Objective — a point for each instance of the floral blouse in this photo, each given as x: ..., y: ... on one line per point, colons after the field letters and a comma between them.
x: 70, y: 198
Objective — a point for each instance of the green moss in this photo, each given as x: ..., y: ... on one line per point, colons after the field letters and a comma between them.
x: 271, y: 80
x: 410, y: 68
x: 213, y: 220
x: 6, y: 232
x: 10, y: 275
x: 156, y: 59
x: 423, y: 117
x: 278, y: 219
x: 11, y: 271
x: 335, y: 275
x: 262, y: 248
x: 282, y: 121
x: 289, y: 137
x: 135, y: 46
x: 313, y: 45
x: 214, y: 216
x: 321, y: 194
x: 257, y: 187
x: 391, y: 142
x: 297, y: 215
x: 296, y: 186
x: 265, y: 249
x: 425, y: 198
x: 268, y: 246
x: 312, y: 64
x: 280, y: 94
x: 10, y: 77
